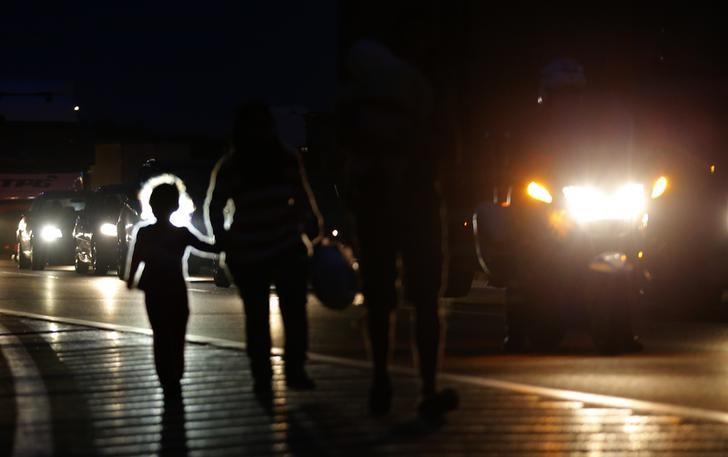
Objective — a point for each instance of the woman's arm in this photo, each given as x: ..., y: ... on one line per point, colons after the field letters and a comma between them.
x: 218, y: 193
x: 314, y: 229
x: 194, y: 241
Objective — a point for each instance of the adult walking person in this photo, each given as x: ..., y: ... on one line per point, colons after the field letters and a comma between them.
x: 264, y: 217
x: 386, y: 124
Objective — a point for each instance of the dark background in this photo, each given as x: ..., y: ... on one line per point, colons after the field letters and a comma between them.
x: 174, y: 66
x: 181, y: 68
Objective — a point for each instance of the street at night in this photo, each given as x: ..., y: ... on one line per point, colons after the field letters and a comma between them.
x: 363, y: 228
x: 684, y: 364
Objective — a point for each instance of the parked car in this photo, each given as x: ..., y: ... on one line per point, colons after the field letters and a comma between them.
x: 129, y: 216
x: 45, y: 233
x: 96, y: 233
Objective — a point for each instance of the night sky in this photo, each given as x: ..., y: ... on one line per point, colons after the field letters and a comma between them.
x: 177, y: 67
x: 182, y: 67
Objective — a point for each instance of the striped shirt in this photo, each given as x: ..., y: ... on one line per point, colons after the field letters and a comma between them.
x: 271, y: 209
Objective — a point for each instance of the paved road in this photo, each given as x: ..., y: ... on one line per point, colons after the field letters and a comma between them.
x: 684, y: 364
x: 94, y: 392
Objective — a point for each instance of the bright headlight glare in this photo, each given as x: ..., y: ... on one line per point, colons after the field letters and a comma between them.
x: 50, y: 233
x: 538, y: 192
x: 589, y: 204
x: 659, y: 187
x: 108, y: 229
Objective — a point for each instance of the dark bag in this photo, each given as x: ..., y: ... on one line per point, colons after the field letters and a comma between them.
x: 334, y: 275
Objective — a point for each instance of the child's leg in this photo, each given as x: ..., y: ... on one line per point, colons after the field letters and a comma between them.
x: 161, y: 337
x: 177, y: 342
x: 162, y: 349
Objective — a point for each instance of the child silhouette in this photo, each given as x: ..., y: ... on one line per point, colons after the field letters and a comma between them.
x: 161, y: 246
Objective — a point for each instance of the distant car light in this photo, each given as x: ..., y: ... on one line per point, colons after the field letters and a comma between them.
x: 539, y: 192
x: 50, y: 233
x: 659, y: 187
x: 588, y: 204
x: 108, y: 229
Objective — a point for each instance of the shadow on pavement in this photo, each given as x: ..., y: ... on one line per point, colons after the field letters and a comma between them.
x: 173, y: 438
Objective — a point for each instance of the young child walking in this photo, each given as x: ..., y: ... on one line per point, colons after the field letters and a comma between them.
x: 161, y: 247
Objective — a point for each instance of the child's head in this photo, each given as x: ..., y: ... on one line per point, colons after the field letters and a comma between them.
x: 164, y: 201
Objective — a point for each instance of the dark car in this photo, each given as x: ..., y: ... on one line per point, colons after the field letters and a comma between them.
x: 45, y: 233
x: 687, y: 242
x: 95, y: 232
x: 566, y: 231
x: 568, y: 249
x: 10, y: 213
x: 129, y: 216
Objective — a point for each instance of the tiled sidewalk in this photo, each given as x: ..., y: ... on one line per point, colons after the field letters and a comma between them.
x: 104, y: 400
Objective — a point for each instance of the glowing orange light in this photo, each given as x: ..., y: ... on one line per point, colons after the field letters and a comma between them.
x: 640, y: 255
x: 539, y: 192
x: 659, y: 187
x: 712, y: 168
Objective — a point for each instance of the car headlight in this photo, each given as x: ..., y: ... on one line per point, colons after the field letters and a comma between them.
x: 538, y: 192
x: 589, y: 204
x: 50, y: 233
x: 108, y: 229
x: 659, y: 187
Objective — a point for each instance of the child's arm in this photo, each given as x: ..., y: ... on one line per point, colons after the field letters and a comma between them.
x: 137, y: 248
x: 194, y: 240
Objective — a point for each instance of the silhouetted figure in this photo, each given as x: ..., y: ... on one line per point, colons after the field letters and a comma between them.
x: 266, y: 238
x: 161, y: 247
x: 386, y: 121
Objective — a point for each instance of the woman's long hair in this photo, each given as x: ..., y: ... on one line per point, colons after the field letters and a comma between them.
x: 259, y: 154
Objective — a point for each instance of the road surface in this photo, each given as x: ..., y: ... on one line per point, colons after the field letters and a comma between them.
x: 684, y: 364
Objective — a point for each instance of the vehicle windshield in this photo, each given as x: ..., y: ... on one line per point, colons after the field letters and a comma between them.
x: 113, y: 200
x: 49, y: 204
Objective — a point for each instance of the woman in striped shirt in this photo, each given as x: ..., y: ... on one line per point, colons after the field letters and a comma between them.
x: 264, y: 216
